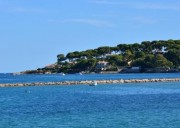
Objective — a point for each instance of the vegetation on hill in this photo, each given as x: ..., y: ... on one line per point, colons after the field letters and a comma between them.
x: 147, y: 55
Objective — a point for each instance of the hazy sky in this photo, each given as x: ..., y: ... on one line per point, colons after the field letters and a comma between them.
x: 33, y: 32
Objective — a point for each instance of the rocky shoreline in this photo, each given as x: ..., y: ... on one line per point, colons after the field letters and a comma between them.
x: 88, y: 82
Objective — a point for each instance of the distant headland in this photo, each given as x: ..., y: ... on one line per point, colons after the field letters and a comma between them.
x: 147, y: 56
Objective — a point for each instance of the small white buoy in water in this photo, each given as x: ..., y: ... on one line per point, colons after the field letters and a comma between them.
x: 62, y: 74
x: 94, y: 83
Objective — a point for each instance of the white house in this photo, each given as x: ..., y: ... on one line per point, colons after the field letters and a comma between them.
x: 102, y: 65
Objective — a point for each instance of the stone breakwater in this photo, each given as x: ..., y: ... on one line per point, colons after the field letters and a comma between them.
x: 88, y: 82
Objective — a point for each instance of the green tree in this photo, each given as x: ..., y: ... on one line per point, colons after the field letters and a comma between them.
x: 148, y: 61
x: 128, y: 55
x: 160, y: 61
x: 139, y: 63
x: 116, y: 60
x: 135, y: 47
x: 123, y: 47
x: 103, y: 50
x: 60, y: 58
x: 84, y: 65
x: 139, y: 54
x: 173, y: 55
x: 146, y: 46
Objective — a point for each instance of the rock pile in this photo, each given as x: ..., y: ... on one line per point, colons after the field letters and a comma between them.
x: 88, y: 82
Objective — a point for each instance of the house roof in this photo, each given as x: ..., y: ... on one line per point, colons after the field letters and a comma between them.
x: 104, y: 62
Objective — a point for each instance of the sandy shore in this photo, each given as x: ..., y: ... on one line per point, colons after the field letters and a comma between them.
x: 88, y: 82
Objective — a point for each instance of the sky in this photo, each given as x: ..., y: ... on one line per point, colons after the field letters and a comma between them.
x: 34, y: 32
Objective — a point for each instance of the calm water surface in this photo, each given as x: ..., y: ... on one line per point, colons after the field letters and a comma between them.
x: 8, y: 78
x: 140, y: 105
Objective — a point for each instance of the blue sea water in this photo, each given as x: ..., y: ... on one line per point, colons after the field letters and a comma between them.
x: 131, y: 105
x: 9, y: 78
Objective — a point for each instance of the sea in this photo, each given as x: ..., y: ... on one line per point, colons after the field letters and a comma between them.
x: 124, y: 105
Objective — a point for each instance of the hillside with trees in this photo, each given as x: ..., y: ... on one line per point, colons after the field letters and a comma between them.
x: 147, y: 56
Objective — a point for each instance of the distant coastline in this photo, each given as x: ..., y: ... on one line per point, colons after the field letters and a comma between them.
x: 88, y: 82
x: 159, y: 56
x: 125, y: 70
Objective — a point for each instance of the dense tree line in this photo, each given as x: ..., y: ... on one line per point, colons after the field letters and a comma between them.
x: 147, y: 54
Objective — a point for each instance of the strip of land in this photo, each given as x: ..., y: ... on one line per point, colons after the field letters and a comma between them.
x: 88, y: 82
